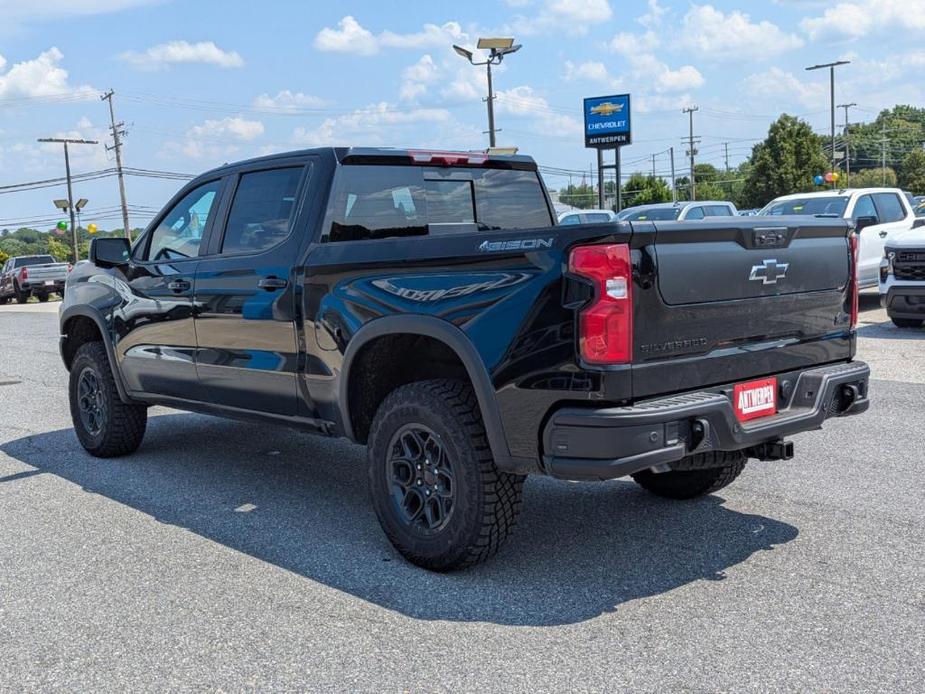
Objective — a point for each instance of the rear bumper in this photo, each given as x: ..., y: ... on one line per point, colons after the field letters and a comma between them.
x: 904, y: 301
x: 39, y: 285
x: 582, y: 444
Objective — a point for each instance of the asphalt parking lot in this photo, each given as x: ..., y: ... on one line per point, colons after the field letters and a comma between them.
x: 234, y: 556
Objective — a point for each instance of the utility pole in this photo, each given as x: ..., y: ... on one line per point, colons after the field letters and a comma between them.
x: 847, y: 141
x: 689, y: 110
x: 674, y: 190
x: 726, y: 148
x: 883, y: 142
x: 70, y: 192
x: 653, y: 166
x: 831, y: 67
x: 117, y: 133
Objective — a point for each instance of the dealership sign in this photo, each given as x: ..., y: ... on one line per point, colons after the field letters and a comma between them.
x: 607, y: 121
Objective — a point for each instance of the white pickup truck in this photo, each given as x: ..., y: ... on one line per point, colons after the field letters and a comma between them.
x: 27, y: 275
x: 902, y: 279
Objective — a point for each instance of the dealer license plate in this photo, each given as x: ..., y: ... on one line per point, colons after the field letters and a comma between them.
x: 755, y: 399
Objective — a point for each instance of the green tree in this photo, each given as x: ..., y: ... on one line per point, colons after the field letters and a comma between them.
x: 872, y: 178
x: 640, y: 189
x: 3, y: 257
x: 13, y: 246
x: 894, y: 133
x: 912, y: 172
x: 783, y: 163
x: 59, y: 249
x: 582, y: 196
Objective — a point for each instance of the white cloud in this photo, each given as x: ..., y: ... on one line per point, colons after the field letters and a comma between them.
x: 42, y: 76
x: 653, y: 18
x: 572, y: 17
x: 861, y: 19
x: 375, y: 124
x: 632, y: 44
x: 177, y: 52
x: 232, y: 126
x: 524, y: 102
x: 591, y: 71
x: 287, y: 101
x: 351, y: 37
x: 776, y: 84
x: 417, y: 77
x: 711, y: 33
x: 648, y: 70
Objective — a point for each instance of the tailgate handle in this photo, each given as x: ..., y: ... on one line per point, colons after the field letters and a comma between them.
x: 883, y: 234
x: 272, y: 283
x: 178, y: 286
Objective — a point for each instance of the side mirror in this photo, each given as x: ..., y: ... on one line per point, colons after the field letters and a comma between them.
x: 110, y: 252
x: 864, y: 222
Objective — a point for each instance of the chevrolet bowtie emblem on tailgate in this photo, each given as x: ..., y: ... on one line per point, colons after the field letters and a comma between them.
x: 768, y: 272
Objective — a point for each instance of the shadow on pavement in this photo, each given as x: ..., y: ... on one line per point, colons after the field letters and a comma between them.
x: 580, y: 550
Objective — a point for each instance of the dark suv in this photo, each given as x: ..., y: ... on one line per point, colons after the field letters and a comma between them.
x: 426, y: 305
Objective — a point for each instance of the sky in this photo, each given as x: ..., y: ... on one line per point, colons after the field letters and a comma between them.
x: 201, y: 83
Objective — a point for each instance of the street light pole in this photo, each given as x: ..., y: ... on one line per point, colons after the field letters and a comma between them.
x: 70, y: 192
x: 831, y: 67
x: 498, y: 49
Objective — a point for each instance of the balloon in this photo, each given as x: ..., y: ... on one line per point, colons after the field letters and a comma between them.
x: 818, y: 180
x: 828, y: 178
x: 91, y: 228
x: 62, y: 225
x: 834, y: 176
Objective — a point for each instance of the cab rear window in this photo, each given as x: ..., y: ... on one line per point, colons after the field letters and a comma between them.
x: 377, y: 201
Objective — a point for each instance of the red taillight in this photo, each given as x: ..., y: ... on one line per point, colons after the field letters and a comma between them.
x: 605, y: 327
x: 23, y: 275
x: 448, y: 158
x: 853, y: 286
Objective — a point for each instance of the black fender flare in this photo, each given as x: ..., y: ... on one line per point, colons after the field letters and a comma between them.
x: 455, y: 339
x: 101, y: 323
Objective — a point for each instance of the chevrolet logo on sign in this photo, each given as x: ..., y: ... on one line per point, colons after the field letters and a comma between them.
x: 606, y: 109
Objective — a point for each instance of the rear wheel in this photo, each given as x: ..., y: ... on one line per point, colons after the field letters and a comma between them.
x: 105, y: 426
x: 22, y: 296
x: 42, y: 297
x: 906, y: 322
x: 695, y: 475
x: 435, y: 488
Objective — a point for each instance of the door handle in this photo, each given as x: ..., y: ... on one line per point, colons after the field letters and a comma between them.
x: 178, y: 286
x: 271, y: 284
x: 883, y: 234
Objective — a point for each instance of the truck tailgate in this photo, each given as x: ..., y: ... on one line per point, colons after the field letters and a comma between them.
x: 733, y: 299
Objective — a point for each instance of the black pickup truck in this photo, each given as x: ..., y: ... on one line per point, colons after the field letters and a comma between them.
x: 426, y: 305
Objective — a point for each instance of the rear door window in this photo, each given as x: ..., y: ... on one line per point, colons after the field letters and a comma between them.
x: 570, y: 219
x: 889, y: 207
x: 718, y: 211
x: 262, y: 210
x: 380, y: 201
x: 694, y: 213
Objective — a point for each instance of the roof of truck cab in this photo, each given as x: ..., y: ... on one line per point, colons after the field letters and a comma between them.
x: 836, y: 192
x: 372, y: 154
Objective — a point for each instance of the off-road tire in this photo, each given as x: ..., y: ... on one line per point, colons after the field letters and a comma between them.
x: 21, y: 296
x: 486, y: 501
x: 702, y: 474
x: 906, y: 322
x: 123, y: 425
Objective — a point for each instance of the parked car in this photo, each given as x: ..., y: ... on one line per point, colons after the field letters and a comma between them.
x: 26, y: 275
x: 426, y: 305
x: 587, y: 217
x: 680, y: 211
x: 878, y: 214
x: 902, y: 280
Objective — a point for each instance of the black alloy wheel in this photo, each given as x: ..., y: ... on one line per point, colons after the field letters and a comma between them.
x: 421, y: 478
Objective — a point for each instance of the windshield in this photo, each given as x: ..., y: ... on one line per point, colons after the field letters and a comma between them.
x: 829, y: 205
x: 654, y: 214
x: 33, y: 260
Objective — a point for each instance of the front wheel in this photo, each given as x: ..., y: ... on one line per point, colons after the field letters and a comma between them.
x: 105, y: 426
x: 435, y: 488
x: 906, y: 322
x: 697, y: 475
